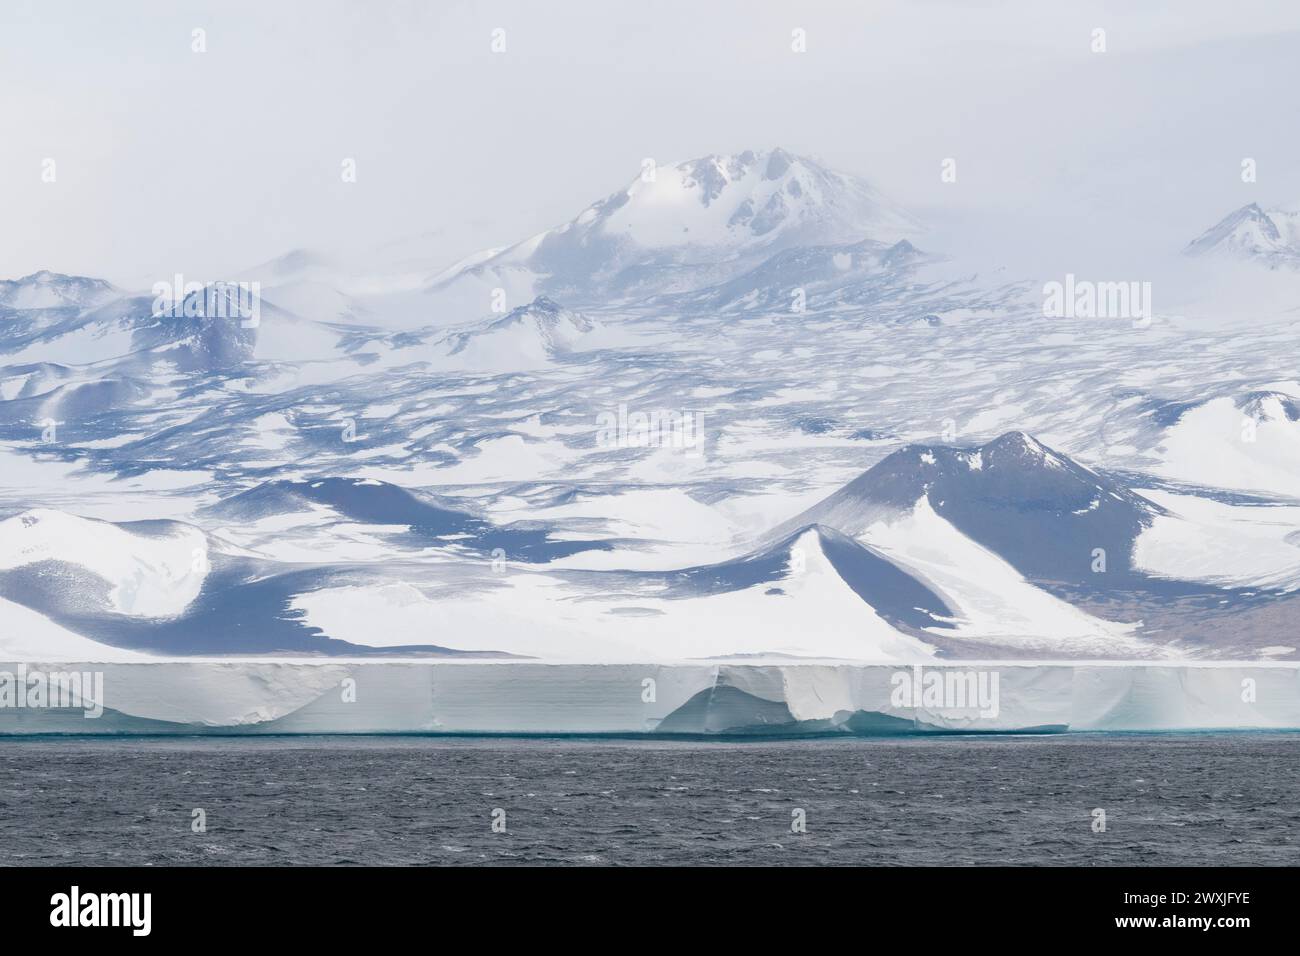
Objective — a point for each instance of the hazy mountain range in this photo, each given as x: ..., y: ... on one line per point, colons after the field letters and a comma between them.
x: 739, y: 407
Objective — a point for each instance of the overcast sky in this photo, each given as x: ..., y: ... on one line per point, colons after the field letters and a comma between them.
x: 168, y: 160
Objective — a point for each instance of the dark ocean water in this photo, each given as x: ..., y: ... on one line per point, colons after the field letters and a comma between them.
x: 1187, y: 799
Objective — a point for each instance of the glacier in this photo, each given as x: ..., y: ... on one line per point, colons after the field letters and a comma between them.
x: 770, y: 698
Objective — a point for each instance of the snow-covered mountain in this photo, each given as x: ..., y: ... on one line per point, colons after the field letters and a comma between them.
x: 686, y: 225
x: 890, y: 591
x: 1035, y: 508
x: 1270, y: 237
x: 53, y: 290
x: 375, y: 466
x: 530, y: 336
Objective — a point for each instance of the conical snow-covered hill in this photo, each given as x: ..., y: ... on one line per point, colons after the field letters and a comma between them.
x: 994, y: 530
x: 1268, y: 236
x: 689, y: 224
x: 1039, y: 510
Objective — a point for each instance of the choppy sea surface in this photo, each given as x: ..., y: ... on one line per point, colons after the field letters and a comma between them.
x: 1229, y: 799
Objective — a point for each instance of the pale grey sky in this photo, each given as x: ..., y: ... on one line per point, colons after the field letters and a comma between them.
x: 168, y: 160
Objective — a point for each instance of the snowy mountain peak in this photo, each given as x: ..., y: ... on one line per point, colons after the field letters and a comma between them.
x: 1013, y: 455
x: 294, y: 264
x: 1017, y: 448
x: 540, y: 305
x: 552, y: 321
x: 781, y: 569
x: 1270, y: 406
x: 1040, y: 511
x: 530, y: 336
x: 754, y: 197
x: 51, y: 290
x: 1270, y: 236
x: 689, y: 224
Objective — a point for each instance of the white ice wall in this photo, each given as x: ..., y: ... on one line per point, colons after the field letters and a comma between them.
x: 529, y: 697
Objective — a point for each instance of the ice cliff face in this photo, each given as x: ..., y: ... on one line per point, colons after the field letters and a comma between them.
x: 244, y: 697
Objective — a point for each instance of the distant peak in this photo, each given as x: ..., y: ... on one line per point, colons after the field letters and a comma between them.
x: 292, y: 262
x: 300, y: 258
x: 1015, y: 448
x: 45, y: 277
x: 544, y: 304
x: 679, y: 223
x: 1249, y: 231
x: 1015, y: 439
x: 45, y: 289
x: 543, y: 307
x: 1252, y: 212
x: 778, y: 161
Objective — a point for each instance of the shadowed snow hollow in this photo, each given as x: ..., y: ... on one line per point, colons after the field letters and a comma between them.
x: 154, y: 573
x: 805, y: 597
x: 1250, y: 442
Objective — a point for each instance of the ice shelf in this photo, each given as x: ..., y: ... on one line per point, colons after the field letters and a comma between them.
x: 512, y: 697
